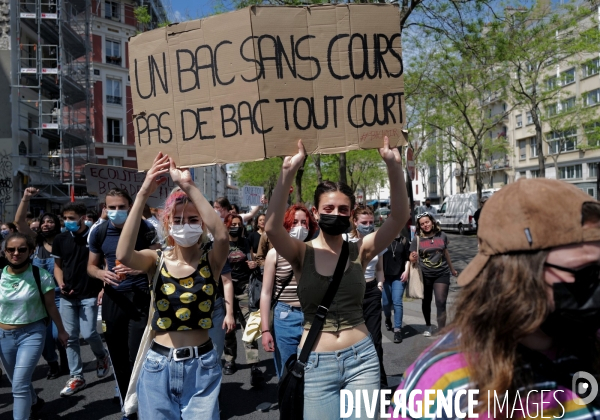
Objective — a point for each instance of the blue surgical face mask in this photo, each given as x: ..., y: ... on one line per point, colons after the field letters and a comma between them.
x: 4, y: 233
x: 118, y: 217
x: 72, y: 225
x: 364, y: 230
x: 89, y: 223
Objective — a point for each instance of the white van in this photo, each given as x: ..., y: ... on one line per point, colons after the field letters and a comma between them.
x: 456, y: 214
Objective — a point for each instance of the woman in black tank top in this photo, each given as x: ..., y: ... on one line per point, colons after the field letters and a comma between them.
x: 183, y: 299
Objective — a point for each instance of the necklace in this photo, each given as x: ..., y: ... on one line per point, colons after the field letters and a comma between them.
x: 394, y: 242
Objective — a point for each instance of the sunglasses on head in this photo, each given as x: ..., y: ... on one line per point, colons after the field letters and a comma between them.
x: 21, y: 249
x: 423, y: 215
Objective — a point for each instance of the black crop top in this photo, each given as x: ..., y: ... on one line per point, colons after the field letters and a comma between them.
x: 186, y: 303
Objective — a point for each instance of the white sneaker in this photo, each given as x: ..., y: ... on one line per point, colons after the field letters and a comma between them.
x: 427, y: 332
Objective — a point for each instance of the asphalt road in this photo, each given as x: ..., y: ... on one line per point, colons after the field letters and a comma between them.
x: 238, y: 399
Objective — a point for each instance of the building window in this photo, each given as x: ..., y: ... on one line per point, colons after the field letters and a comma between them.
x: 529, y: 118
x: 592, y: 98
x: 519, y: 120
x: 592, y: 170
x: 113, y: 92
x: 567, y: 77
x: 591, y: 192
x: 113, y: 52
x: 522, y: 150
x: 522, y: 174
x: 114, y: 161
x: 567, y: 104
x: 569, y: 172
x: 551, y: 110
x: 591, y: 67
x: 564, y: 141
x: 551, y: 83
x: 533, y: 147
x: 112, y: 10
x: 535, y: 173
x: 592, y: 133
x: 114, y: 131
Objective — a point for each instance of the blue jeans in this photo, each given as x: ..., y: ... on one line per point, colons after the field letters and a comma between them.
x: 217, y: 332
x: 187, y: 389
x: 393, y: 290
x: 79, y: 316
x: 287, y: 332
x: 20, y: 351
x: 327, y: 373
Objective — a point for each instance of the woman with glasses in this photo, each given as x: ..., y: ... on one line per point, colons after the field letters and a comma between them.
x: 435, y: 264
x: 528, y: 315
x: 49, y: 228
x: 181, y: 373
x: 23, y: 315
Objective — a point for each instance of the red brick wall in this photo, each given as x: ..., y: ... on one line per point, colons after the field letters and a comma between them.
x: 129, y: 17
x: 130, y: 164
x: 98, y: 113
x: 131, y: 153
x: 96, y: 48
x: 126, y: 54
x: 99, y: 151
x: 102, y: 161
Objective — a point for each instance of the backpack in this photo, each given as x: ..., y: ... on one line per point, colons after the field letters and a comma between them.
x: 38, y: 282
x: 102, y: 230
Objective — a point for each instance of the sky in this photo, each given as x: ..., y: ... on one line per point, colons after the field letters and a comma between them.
x: 184, y: 9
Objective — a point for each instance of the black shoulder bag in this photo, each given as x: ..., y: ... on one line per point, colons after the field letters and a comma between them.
x: 291, y: 385
x: 38, y: 282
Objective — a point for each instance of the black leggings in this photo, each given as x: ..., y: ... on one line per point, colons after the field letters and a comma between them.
x: 438, y: 286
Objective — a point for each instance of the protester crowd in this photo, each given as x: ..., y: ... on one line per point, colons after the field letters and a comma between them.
x: 309, y: 285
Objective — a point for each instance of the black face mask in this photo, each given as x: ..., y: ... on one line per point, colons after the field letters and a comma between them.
x: 577, y: 306
x: 235, y: 232
x: 18, y: 266
x: 334, y: 224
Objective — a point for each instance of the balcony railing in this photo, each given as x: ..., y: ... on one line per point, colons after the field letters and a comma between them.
x: 113, y: 99
x: 113, y: 60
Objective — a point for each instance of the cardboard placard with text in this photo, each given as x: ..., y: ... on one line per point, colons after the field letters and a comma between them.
x: 102, y: 178
x: 245, y: 85
x: 251, y: 195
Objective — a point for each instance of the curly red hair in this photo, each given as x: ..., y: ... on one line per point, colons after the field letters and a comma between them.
x: 290, y: 215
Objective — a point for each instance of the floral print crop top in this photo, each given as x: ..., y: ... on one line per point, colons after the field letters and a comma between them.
x: 184, y: 303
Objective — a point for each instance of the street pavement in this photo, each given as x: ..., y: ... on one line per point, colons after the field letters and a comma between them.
x: 238, y: 399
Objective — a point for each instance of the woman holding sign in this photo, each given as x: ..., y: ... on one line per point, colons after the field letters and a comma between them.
x: 345, y: 352
x: 181, y: 374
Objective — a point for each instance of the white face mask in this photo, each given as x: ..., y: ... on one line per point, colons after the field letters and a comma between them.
x: 219, y: 214
x: 299, y: 232
x: 186, y: 235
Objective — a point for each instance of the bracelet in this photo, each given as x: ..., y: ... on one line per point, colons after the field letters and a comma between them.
x: 265, y: 331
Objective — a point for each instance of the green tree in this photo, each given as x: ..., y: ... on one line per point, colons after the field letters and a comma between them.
x: 262, y: 173
x: 531, y: 43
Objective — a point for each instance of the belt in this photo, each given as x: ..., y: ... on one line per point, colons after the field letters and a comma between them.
x: 182, y: 353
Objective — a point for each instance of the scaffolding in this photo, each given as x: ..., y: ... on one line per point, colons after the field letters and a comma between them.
x: 54, y: 91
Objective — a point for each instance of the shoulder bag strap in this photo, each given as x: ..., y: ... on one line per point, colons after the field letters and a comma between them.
x: 161, y: 257
x: 284, y: 284
x: 319, y: 320
x: 38, y: 282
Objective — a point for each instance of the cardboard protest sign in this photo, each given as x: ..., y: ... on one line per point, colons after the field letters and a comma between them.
x: 246, y: 85
x: 101, y: 178
x: 251, y: 195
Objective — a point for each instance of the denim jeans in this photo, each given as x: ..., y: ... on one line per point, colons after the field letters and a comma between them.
x: 393, y: 291
x: 49, y: 351
x: 217, y: 332
x: 287, y: 332
x: 20, y: 351
x: 187, y: 389
x: 79, y: 316
x: 327, y: 373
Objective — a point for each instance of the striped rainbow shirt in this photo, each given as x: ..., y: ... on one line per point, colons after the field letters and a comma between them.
x: 440, y: 368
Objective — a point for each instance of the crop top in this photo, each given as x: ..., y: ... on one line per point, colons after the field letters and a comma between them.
x: 346, y: 310
x: 184, y: 303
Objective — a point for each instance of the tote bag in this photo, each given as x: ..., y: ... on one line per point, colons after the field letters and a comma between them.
x: 415, y: 278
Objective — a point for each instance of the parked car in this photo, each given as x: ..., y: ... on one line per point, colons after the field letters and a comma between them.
x: 457, y: 211
x: 381, y: 214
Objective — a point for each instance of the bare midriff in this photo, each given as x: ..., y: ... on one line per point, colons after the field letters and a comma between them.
x: 11, y: 326
x: 332, y: 341
x: 178, y: 339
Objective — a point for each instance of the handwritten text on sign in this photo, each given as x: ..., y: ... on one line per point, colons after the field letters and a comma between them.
x: 246, y: 85
x: 100, y: 179
x: 251, y: 196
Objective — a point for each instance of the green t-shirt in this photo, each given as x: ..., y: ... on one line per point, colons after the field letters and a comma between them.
x: 20, y: 301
